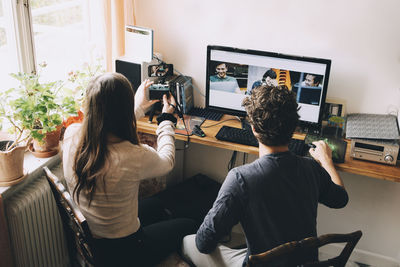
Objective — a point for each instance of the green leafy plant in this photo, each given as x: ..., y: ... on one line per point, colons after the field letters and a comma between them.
x: 8, y: 116
x: 35, y: 107
x: 79, y: 79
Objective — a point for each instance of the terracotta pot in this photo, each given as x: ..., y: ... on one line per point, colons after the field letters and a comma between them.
x: 49, y: 143
x: 11, y: 164
x: 42, y: 154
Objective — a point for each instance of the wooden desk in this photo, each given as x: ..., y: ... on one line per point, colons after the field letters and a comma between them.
x: 370, y: 169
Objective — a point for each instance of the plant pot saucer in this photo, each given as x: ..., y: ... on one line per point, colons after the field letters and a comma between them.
x: 43, y: 154
x: 13, y: 182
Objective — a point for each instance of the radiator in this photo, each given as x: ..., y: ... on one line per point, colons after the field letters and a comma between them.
x: 35, y: 229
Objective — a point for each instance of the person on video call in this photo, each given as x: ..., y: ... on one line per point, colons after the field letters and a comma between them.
x: 312, y: 80
x: 269, y: 78
x: 275, y: 198
x: 103, y: 164
x: 231, y: 84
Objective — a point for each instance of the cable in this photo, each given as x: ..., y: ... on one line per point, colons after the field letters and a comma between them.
x: 187, y: 133
x: 195, y: 87
x: 215, y: 124
x: 180, y: 114
x: 232, y: 162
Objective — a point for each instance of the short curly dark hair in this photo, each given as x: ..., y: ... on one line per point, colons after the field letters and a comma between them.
x: 272, y: 110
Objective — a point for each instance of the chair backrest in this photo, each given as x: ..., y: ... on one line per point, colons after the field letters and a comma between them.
x: 291, y: 250
x: 76, y: 227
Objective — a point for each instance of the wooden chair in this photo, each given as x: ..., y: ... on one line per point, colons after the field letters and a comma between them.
x: 291, y: 250
x: 75, y: 225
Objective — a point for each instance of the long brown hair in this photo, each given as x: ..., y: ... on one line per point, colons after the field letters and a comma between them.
x: 109, y: 109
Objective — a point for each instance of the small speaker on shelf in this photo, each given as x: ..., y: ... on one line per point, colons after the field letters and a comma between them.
x: 135, y: 72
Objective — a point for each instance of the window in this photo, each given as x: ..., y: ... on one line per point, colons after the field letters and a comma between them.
x: 8, y: 52
x: 63, y: 33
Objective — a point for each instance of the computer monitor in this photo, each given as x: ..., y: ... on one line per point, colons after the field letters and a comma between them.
x: 232, y: 73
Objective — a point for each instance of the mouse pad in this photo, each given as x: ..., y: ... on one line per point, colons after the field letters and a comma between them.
x: 190, y: 122
x: 338, y: 146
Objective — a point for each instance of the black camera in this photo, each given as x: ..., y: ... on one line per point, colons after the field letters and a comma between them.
x: 156, y: 91
x: 163, y: 73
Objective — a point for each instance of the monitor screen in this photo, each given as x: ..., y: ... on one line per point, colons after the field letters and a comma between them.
x: 233, y: 73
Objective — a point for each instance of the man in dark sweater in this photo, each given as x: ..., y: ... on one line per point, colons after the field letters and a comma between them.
x: 275, y: 198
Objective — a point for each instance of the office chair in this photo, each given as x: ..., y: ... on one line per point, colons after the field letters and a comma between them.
x: 75, y: 225
x: 291, y: 250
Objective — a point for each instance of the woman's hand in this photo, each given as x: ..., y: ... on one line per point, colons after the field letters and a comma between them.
x: 169, y: 104
x: 141, y: 96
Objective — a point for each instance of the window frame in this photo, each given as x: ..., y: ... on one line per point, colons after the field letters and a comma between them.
x: 22, y: 36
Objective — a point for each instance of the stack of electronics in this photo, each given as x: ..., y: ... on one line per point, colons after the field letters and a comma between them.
x: 182, y: 89
x: 374, y: 137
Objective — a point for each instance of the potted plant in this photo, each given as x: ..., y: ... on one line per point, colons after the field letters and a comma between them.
x: 78, y: 80
x: 40, y: 108
x: 11, y: 151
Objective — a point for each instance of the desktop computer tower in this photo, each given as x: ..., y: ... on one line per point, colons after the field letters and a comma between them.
x: 135, y: 72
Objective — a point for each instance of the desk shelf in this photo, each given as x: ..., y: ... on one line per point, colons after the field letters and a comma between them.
x: 360, y: 167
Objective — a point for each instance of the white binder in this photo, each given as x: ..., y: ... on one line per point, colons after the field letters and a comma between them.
x: 138, y: 44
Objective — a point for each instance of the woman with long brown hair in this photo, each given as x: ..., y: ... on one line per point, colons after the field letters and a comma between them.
x: 103, y: 164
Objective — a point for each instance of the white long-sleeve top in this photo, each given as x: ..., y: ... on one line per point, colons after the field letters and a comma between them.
x: 113, y: 212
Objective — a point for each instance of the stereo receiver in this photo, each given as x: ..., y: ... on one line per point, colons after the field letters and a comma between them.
x: 375, y: 150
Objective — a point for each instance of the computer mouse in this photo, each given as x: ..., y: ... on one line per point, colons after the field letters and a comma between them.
x: 198, y: 131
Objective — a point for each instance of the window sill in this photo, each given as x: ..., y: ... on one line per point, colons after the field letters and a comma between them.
x: 33, y: 168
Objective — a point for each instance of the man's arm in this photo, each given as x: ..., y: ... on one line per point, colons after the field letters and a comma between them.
x: 323, y: 154
x: 221, y: 218
x: 332, y: 192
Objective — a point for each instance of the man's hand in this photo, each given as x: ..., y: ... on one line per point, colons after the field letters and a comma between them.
x: 141, y: 96
x: 323, y: 154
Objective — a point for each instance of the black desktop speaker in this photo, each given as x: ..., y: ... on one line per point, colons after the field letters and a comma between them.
x: 132, y: 71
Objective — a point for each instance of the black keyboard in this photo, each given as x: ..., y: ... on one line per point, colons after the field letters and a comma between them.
x: 237, y: 135
x: 206, y: 113
x: 245, y: 137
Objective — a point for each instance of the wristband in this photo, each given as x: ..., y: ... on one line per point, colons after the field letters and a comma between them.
x: 166, y: 116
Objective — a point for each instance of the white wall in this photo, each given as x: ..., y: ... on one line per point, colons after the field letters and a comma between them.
x: 361, y: 37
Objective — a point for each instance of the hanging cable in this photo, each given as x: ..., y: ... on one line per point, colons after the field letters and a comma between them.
x: 232, y: 162
x: 215, y: 124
